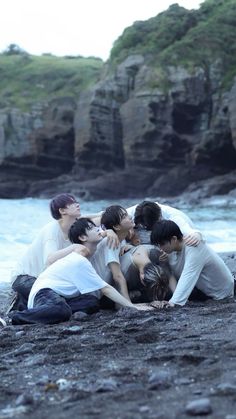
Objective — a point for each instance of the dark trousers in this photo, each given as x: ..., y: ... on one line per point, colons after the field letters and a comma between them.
x: 23, y: 284
x: 51, y: 308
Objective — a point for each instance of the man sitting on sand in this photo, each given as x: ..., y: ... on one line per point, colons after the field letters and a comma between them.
x: 51, y: 297
x: 51, y: 243
x: 134, y: 270
x: 192, y: 266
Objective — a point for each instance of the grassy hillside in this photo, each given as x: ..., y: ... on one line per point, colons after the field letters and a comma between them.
x: 26, y: 79
x: 185, y: 37
x: 174, y: 37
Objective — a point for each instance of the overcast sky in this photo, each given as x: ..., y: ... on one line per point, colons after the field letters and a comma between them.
x: 74, y: 27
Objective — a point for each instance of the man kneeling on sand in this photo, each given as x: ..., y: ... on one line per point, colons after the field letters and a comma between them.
x: 192, y: 266
x: 51, y: 297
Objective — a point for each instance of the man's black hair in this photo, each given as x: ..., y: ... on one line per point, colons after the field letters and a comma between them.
x: 164, y: 230
x: 146, y: 214
x: 79, y: 228
x: 112, y: 216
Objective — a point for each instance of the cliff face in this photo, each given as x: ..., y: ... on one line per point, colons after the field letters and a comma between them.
x: 163, y: 139
x: 34, y: 146
x: 124, y: 137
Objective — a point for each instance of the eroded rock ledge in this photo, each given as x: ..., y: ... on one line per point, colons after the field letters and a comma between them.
x: 125, y: 137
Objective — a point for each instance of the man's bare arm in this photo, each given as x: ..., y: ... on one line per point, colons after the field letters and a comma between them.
x: 119, y: 279
x: 79, y: 248
x: 115, y: 296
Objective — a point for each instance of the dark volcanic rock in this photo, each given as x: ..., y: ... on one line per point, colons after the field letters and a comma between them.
x: 199, y: 407
x: 124, y: 137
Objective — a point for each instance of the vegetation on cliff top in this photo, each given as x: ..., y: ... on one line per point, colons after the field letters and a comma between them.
x: 185, y: 37
x: 26, y: 79
x: 177, y: 36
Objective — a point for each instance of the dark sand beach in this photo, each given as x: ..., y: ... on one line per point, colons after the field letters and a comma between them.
x: 174, y: 363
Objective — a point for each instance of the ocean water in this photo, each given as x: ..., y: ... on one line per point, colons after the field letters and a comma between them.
x: 21, y: 219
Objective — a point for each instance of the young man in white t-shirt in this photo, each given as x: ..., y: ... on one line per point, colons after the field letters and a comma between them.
x: 192, y: 266
x: 72, y: 276
x: 51, y: 243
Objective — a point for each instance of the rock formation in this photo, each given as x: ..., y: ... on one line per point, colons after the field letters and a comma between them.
x: 146, y: 128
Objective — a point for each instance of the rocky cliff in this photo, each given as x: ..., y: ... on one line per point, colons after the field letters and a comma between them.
x: 144, y: 129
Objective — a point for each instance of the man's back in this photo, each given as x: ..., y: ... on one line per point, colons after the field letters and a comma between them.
x: 202, y: 267
x: 49, y: 239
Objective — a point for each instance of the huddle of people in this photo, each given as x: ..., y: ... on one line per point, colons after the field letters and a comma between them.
x: 147, y: 256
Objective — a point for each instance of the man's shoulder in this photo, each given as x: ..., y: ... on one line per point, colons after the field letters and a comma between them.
x: 103, y: 246
x: 74, y: 259
x: 202, y: 249
x: 52, y: 225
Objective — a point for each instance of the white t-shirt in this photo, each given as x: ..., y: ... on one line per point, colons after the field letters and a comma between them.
x: 168, y: 213
x: 101, y: 259
x: 49, y: 240
x: 69, y: 277
x: 200, y: 266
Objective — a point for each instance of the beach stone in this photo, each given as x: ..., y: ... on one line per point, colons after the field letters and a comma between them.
x: 72, y: 330
x: 24, y: 399
x: 144, y: 409
x: 106, y: 385
x: 199, y: 407
x: 226, y: 389
x: 183, y: 381
x: 159, y: 380
x: 63, y: 384
x: 80, y: 315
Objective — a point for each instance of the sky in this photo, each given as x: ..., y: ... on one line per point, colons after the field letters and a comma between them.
x: 74, y: 27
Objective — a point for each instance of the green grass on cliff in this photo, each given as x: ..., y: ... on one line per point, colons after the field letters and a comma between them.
x: 183, y: 37
x: 27, y: 79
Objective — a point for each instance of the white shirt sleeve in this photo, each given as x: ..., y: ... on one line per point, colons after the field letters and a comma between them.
x: 193, y: 267
x: 88, y: 280
x: 112, y: 255
x: 182, y: 220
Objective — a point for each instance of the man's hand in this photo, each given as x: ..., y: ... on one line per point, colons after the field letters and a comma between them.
x: 163, y: 256
x: 161, y: 304
x: 112, y: 239
x: 125, y: 249
x: 133, y: 238
x: 193, y: 239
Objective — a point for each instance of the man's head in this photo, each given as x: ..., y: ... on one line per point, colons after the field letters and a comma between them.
x: 84, y: 231
x: 64, y: 204
x: 116, y: 218
x: 167, y: 235
x: 146, y: 214
x: 156, y: 280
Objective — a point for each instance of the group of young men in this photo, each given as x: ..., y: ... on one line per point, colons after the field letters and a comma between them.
x: 147, y: 256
